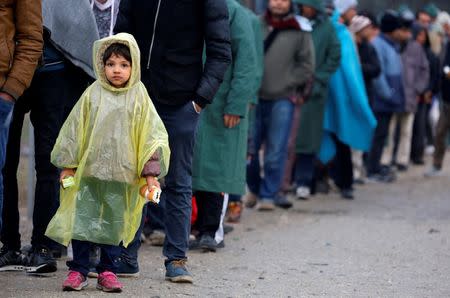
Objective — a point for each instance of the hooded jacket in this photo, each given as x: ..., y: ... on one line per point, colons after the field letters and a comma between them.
x: 416, y: 74
x: 389, y: 92
x: 172, y: 35
x: 20, y: 44
x: 328, y: 57
x: 108, y: 138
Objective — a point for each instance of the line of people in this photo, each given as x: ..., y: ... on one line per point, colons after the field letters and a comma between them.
x: 278, y: 104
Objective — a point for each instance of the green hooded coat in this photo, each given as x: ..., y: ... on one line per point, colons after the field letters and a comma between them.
x: 220, y: 152
x: 328, y: 56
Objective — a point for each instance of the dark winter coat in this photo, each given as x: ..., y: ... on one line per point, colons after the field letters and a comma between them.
x: 171, y: 35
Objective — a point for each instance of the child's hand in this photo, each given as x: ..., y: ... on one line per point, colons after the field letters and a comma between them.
x: 152, y: 181
x: 65, y: 173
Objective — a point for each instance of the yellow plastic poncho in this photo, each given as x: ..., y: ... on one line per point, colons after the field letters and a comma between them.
x: 108, y: 137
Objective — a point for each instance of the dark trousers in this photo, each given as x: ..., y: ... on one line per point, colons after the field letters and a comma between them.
x: 304, y: 169
x: 419, y: 136
x: 48, y: 100
x: 210, y: 206
x: 342, y: 166
x: 379, y: 140
x: 175, y: 208
x: 80, y: 262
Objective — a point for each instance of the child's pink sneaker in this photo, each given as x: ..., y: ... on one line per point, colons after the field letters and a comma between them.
x: 108, y: 282
x: 75, y: 281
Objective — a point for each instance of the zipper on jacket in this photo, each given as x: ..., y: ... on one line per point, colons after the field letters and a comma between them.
x: 153, y: 36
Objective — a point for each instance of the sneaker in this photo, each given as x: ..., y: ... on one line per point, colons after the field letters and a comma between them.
x: 227, y: 229
x: 10, y: 260
x: 40, y: 261
x: 157, y: 238
x: 347, y: 194
x: 433, y: 172
x: 194, y: 244
x: 266, y: 205
x: 108, y: 282
x: 221, y: 244
x: 402, y: 168
x: 208, y: 243
x: 283, y: 202
x: 126, y: 267
x: 234, y: 212
x: 303, y: 193
x: 250, y: 200
x: 385, y: 176
x: 177, y: 272
x: 75, y: 281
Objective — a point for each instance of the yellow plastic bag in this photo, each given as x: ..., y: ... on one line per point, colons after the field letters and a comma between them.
x: 108, y: 137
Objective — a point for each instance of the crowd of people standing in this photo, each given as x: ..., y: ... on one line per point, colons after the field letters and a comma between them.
x: 256, y: 110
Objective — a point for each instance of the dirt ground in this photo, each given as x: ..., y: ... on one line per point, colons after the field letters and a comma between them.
x: 392, y: 241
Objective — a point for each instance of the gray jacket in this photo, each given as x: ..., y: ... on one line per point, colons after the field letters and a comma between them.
x: 416, y: 74
x: 288, y: 63
x: 73, y: 30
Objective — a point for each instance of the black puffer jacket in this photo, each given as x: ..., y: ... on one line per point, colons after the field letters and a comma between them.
x: 171, y: 35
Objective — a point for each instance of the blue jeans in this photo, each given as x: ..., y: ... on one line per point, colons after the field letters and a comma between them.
x: 175, y: 209
x: 6, y: 108
x: 272, y: 128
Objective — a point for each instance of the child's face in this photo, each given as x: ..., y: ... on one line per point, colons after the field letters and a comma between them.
x: 117, y: 70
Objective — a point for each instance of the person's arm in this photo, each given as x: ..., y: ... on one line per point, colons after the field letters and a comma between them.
x: 380, y: 84
x: 332, y: 62
x: 423, y: 71
x: 370, y: 64
x: 218, y: 50
x: 244, y: 64
x: 124, y: 22
x: 304, y: 61
x: 28, y: 47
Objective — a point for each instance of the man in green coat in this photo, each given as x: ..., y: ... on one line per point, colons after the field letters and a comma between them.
x: 328, y: 55
x: 235, y: 207
x: 221, y: 145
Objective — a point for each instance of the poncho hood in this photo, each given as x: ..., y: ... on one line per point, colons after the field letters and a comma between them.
x: 100, y: 47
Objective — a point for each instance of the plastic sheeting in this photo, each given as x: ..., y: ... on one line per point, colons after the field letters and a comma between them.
x: 108, y: 137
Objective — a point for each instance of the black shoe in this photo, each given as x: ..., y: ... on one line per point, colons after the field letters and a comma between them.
x: 10, y: 260
x: 283, y: 202
x: 221, y: 244
x: 207, y: 243
x: 126, y: 267
x: 347, y: 194
x: 227, y: 229
x: 194, y: 244
x: 322, y: 187
x: 402, y: 168
x: 40, y: 261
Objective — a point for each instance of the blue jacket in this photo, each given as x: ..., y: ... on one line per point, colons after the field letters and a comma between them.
x: 347, y: 115
x: 389, y: 95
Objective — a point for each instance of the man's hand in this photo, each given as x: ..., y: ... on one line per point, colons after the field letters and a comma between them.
x: 152, y: 181
x: 66, y: 173
x: 7, y: 97
x: 231, y: 121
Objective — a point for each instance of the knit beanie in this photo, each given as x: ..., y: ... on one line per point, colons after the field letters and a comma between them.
x: 343, y: 5
x: 358, y: 23
x: 390, y: 22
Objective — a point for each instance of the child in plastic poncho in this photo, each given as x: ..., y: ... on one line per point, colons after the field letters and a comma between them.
x: 112, y: 143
